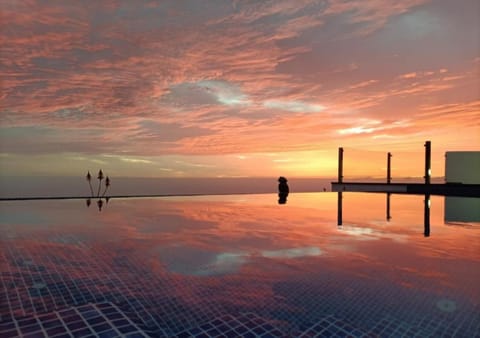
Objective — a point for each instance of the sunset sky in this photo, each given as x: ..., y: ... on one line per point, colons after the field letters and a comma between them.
x: 236, y: 88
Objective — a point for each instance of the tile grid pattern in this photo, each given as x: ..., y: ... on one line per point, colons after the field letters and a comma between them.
x: 54, y: 290
x: 91, y: 320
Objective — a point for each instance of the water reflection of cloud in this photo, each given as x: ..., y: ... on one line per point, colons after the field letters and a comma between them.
x: 170, y: 224
x: 200, y: 262
x: 226, y: 263
x: 292, y: 253
x: 365, y: 233
x: 358, y: 231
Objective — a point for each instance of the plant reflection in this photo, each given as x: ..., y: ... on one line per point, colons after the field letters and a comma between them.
x: 100, y: 177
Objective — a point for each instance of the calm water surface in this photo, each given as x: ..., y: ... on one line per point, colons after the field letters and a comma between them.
x: 238, y: 266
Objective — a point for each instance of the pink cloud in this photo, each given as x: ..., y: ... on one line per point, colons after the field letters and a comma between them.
x: 408, y: 76
x: 373, y: 13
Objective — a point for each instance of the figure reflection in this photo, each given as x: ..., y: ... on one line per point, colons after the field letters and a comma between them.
x: 283, y: 190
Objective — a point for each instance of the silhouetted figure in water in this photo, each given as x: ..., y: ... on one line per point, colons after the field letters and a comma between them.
x: 283, y: 190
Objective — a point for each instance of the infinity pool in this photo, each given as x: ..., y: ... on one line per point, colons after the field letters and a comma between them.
x: 238, y: 266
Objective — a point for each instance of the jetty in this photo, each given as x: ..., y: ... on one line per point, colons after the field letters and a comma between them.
x: 426, y: 188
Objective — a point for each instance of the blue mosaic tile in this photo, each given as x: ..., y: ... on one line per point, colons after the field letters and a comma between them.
x: 35, y: 335
x: 81, y: 332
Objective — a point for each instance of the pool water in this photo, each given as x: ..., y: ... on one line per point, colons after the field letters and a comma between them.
x: 238, y: 266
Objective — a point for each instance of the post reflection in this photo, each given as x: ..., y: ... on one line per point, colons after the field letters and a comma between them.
x: 339, y: 208
x: 426, y: 212
x: 426, y: 216
x: 389, y: 217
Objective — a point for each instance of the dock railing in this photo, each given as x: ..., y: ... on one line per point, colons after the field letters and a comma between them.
x: 371, y: 171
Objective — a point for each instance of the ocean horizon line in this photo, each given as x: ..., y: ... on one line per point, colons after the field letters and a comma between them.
x: 51, y: 186
x: 39, y: 198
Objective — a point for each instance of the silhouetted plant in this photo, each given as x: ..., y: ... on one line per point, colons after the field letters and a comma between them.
x: 89, y: 179
x: 107, y: 184
x: 100, y: 178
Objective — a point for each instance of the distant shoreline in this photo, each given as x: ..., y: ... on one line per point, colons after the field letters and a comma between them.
x: 42, y: 187
x: 38, y: 198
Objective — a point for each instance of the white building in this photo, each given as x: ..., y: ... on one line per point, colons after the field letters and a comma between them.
x: 462, y: 167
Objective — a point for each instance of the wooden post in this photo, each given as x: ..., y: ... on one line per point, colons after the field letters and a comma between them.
x: 389, y: 172
x: 340, y: 180
x: 428, y: 171
x: 340, y: 165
